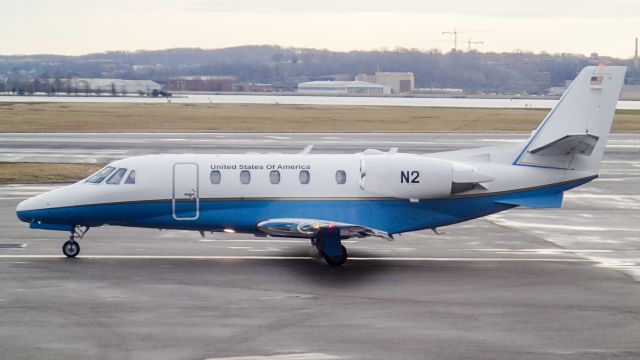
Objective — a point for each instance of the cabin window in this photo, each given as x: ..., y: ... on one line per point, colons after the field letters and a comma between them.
x: 304, y: 177
x: 100, y: 175
x: 245, y: 177
x: 274, y: 177
x: 131, y: 179
x: 341, y: 177
x: 116, y: 177
x: 215, y: 177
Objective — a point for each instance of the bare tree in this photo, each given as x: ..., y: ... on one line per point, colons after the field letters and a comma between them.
x: 57, y: 85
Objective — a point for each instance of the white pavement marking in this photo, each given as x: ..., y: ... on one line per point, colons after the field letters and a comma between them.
x: 305, y: 356
x: 501, y: 140
x: 257, y: 241
x: 621, y: 252
x: 545, y: 226
x: 236, y: 257
x: 535, y: 251
x: 268, y: 240
x: 611, y: 179
x: 630, y: 267
x: 14, y: 192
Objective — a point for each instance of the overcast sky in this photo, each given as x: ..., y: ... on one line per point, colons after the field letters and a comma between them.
x: 74, y: 27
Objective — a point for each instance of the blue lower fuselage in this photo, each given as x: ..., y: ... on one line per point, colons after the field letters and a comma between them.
x: 242, y: 215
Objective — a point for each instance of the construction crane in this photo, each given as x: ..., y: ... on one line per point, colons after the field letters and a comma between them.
x: 455, y: 37
x: 455, y: 33
x: 469, y: 42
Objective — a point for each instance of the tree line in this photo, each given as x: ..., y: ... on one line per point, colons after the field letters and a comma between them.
x: 284, y: 67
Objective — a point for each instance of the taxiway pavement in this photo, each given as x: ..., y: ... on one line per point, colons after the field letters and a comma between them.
x: 102, y: 148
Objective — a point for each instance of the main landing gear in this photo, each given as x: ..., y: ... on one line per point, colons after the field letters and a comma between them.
x: 328, y: 243
x: 71, y: 248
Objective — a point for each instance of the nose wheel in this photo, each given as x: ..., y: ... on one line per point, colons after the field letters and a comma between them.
x: 71, y: 248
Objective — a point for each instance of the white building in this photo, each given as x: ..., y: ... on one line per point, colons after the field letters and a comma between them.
x: 439, y: 91
x: 114, y: 85
x: 342, y: 87
x: 399, y: 82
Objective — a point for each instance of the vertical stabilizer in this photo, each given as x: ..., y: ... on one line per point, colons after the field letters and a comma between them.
x: 574, y: 133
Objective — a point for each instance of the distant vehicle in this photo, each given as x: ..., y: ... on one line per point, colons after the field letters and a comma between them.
x: 327, y: 198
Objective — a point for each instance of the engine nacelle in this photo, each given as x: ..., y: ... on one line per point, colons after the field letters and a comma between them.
x: 406, y: 176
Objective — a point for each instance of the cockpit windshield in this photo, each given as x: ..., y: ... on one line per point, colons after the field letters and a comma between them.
x: 100, y: 175
x: 116, y: 177
x: 131, y: 179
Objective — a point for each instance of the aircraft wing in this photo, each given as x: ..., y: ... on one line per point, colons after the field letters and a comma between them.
x: 308, y: 228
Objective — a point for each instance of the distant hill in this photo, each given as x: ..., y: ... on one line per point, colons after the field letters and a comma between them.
x: 285, y: 67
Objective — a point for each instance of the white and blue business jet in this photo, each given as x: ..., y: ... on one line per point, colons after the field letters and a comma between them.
x: 327, y: 198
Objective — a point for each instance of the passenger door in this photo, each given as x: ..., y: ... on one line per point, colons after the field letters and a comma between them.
x: 186, y: 192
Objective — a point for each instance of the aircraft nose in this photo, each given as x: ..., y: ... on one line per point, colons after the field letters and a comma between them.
x: 24, y: 209
x: 22, y: 206
x: 33, y: 208
x: 41, y: 208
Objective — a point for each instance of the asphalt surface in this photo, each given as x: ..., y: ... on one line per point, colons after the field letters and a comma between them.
x: 523, y: 284
x: 102, y: 148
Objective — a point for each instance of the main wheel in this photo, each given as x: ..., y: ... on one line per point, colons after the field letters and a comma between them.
x: 336, y: 260
x: 71, y: 248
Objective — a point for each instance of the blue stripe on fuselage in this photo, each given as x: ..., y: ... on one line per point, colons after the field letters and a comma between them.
x: 242, y: 215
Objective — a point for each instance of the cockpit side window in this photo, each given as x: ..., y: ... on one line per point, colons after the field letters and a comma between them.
x: 116, y: 177
x: 131, y: 179
x: 100, y: 175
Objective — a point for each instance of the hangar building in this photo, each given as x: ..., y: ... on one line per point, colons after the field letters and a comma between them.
x: 200, y: 83
x: 113, y: 85
x: 342, y: 87
x: 400, y: 82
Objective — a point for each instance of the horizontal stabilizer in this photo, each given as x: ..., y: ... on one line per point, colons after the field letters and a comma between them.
x: 578, y: 144
x: 539, y: 201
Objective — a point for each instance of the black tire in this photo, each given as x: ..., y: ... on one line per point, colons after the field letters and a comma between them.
x: 71, y: 248
x: 337, y: 260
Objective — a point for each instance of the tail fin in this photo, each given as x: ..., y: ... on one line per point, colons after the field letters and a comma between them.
x: 574, y: 133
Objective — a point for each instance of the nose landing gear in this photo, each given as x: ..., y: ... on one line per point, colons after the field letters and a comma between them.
x: 71, y: 248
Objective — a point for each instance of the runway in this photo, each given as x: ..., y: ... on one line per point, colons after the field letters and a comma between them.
x: 101, y: 148
x: 523, y: 284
